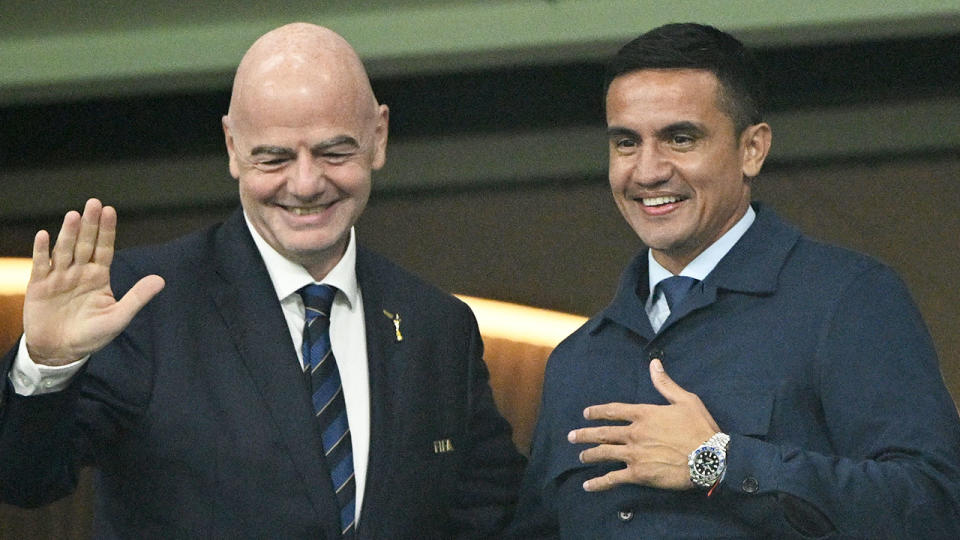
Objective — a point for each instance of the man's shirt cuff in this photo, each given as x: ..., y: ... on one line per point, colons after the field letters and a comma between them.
x: 31, y: 379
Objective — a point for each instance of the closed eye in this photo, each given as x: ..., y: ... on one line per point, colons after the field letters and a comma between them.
x: 270, y: 165
x: 337, y: 157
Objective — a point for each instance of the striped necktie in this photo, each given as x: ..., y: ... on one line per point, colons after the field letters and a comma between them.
x: 331, y: 410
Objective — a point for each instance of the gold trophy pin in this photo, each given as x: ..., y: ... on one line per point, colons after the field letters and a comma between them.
x: 395, y: 317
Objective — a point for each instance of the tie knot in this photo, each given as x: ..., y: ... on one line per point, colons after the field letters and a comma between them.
x: 317, y: 300
x: 675, y: 288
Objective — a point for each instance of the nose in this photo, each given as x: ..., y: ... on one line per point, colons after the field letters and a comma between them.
x: 306, y: 178
x: 651, y: 167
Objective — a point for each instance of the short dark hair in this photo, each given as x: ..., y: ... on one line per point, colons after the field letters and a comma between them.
x: 698, y: 46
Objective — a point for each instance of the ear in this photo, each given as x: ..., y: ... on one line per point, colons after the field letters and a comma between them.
x: 755, y: 143
x: 380, y: 137
x: 231, y: 150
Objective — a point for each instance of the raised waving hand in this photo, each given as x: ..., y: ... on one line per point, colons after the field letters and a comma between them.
x: 69, y: 310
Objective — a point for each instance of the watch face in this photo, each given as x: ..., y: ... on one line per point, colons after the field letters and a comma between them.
x: 706, y: 462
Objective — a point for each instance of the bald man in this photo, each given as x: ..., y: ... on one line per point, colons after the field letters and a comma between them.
x: 191, y: 394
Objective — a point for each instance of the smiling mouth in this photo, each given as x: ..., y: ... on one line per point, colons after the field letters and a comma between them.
x: 660, y: 201
x: 306, y: 210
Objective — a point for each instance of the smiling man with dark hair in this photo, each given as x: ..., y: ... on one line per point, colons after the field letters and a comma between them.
x: 804, y: 397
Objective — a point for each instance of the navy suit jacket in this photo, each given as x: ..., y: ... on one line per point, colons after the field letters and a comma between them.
x: 199, y: 421
x: 815, y: 361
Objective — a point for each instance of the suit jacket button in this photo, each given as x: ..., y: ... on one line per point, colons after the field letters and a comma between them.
x: 625, y: 515
x: 655, y: 354
x: 750, y: 485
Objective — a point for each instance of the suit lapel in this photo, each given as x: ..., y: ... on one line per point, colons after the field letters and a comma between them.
x: 247, y: 301
x: 384, y: 364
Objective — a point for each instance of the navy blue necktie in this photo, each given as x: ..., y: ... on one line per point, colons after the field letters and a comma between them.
x: 331, y: 410
x: 675, y: 289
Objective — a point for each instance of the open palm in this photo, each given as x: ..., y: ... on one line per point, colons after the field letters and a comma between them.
x: 69, y: 310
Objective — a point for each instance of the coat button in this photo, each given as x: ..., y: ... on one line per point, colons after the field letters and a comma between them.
x: 750, y: 485
x: 655, y: 354
x: 625, y: 515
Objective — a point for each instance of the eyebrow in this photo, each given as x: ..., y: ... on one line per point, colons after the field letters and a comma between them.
x: 271, y: 150
x: 319, y: 148
x: 676, y: 127
x: 615, y: 131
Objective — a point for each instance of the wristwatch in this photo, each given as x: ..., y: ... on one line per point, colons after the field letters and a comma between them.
x: 709, y: 461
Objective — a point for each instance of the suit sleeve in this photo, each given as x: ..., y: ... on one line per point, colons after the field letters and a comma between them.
x: 45, y: 439
x: 892, y: 424
x: 37, y: 466
x: 490, y: 474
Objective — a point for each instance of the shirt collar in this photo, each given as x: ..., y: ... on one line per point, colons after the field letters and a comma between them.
x: 700, y: 267
x: 288, y: 277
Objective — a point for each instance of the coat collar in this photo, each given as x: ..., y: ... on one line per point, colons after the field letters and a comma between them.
x: 752, y: 266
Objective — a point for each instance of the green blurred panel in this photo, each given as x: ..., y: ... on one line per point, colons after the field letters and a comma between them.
x: 113, y: 47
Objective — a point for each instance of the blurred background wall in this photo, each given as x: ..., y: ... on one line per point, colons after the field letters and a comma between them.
x: 495, y: 183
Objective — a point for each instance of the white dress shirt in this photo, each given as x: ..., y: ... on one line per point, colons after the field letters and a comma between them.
x: 347, y: 339
x: 699, y: 268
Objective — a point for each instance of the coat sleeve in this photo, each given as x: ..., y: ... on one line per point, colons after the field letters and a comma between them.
x: 46, y: 439
x: 489, y: 477
x: 36, y: 467
x: 895, y: 466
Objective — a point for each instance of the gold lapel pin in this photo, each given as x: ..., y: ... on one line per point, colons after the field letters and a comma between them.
x: 395, y: 317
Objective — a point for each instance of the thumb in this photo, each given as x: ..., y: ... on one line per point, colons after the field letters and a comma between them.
x: 139, y: 295
x: 664, y: 384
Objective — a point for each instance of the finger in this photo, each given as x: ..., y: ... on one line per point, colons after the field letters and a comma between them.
x: 66, y: 240
x: 670, y: 390
x: 106, y: 235
x: 610, y: 480
x: 598, y: 435
x: 605, y: 452
x: 138, y: 296
x: 89, y: 224
x: 41, y: 256
x: 626, y: 412
x: 655, y: 474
